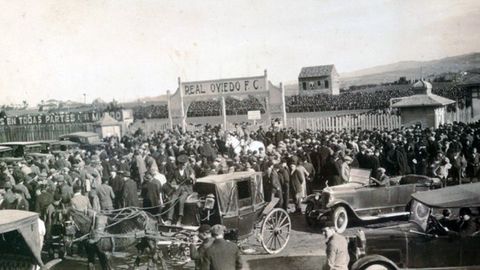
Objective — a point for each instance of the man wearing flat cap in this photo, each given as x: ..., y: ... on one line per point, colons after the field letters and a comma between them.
x: 182, y: 185
x: 222, y: 254
x: 197, y: 254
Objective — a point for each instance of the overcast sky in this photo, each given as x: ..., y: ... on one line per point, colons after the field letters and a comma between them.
x: 128, y: 49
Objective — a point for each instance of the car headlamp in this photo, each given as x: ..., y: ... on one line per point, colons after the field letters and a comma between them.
x: 209, y: 202
x: 317, y: 196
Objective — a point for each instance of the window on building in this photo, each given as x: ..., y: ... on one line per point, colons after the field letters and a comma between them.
x: 476, y: 93
x: 326, y: 83
x: 312, y: 84
x: 304, y: 85
x: 319, y: 83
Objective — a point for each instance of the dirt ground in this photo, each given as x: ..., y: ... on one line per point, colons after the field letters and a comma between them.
x: 305, y: 251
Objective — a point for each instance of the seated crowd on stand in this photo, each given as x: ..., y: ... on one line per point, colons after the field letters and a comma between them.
x: 377, y: 99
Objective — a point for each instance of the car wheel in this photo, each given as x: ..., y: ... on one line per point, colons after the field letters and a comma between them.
x: 340, y: 219
x: 376, y: 266
x: 308, y: 210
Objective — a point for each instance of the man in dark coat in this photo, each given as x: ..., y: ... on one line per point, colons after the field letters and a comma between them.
x: 151, y: 190
x: 116, y: 182
x: 284, y: 177
x: 296, y: 179
x: 271, y: 184
x: 129, y: 193
x: 221, y: 254
x: 197, y: 254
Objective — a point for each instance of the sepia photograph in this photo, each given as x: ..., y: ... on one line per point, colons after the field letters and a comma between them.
x: 231, y: 135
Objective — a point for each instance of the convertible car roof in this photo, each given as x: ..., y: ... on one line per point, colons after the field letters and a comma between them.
x: 467, y: 195
x: 26, y: 223
x: 11, y: 220
x: 221, y: 178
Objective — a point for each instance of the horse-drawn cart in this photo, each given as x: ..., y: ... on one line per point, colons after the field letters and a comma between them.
x: 234, y: 200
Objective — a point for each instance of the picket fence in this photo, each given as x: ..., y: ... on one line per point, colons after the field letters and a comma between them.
x: 347, y: 122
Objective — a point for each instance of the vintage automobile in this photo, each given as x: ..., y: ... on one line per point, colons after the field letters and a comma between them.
x: 236, y: 200
x: 89, y: 141
x: 22, y: 150
x: 360, y: 200
x: 20, y: 241
x: 7, y: 156
x: 427, y: 241
x: 57, y: 146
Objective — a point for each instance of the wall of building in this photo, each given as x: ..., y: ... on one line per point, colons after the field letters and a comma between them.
x: 319, y: 85
x: 423, y: 115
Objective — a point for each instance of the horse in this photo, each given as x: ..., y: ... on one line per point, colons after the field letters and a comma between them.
x: 103, y: 234
x: 239, y: 145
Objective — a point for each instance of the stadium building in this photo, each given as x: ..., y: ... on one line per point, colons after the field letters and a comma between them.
x: 319, y: 80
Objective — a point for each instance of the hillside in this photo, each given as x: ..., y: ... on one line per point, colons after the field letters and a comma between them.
x: 410, y: 69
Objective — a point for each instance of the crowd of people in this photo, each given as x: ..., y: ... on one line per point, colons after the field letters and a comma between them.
x: 151, y: 111
x: 377, y: 99
x: 155, y: 169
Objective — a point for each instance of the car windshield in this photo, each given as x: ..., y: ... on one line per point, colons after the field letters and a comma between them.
x: 419, y: 214
x: 33, y: 149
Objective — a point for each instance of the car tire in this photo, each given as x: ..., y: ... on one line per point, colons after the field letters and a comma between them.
x: 308, y: 209
x: 377, y: 266
x: 340, y: 219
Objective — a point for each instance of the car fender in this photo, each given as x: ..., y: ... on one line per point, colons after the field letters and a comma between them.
x: 345, y: 204
x: 373, y: 258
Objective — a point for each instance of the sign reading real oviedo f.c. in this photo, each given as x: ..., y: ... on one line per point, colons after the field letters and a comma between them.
x: 223, y: 87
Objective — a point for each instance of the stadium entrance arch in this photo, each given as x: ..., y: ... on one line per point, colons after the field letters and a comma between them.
x: 258, y: 86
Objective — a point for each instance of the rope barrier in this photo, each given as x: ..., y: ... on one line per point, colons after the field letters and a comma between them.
x: 137, y: 211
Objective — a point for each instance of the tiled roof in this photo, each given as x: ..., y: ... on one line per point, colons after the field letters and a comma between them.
x: 317, y: 71
x: 430, y: 100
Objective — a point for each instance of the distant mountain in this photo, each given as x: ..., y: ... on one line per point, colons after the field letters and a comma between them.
x: 411, y: 70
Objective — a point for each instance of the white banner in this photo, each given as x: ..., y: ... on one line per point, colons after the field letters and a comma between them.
x: 223, y: 87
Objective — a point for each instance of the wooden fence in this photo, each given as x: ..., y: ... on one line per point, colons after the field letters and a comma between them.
x: 40, y: 132
x: 348, y: 122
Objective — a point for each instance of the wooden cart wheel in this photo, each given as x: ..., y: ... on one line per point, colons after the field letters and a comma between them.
x: 275, y: 231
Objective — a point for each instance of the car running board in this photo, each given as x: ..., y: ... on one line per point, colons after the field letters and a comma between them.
x: 386, y: 215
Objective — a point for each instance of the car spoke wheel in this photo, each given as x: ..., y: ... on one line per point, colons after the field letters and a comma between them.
x: 308, y: 210
x: 340, y: 219
x: 275, y: 231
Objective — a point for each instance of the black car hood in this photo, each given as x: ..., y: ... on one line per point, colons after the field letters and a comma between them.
x: 411, y: 229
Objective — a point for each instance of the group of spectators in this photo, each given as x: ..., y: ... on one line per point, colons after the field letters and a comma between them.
x: 160, y: 168
x: 379, y: 99
x: 151, y: 111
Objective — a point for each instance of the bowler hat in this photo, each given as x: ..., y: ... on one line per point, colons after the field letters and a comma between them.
x: 182, y: 159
